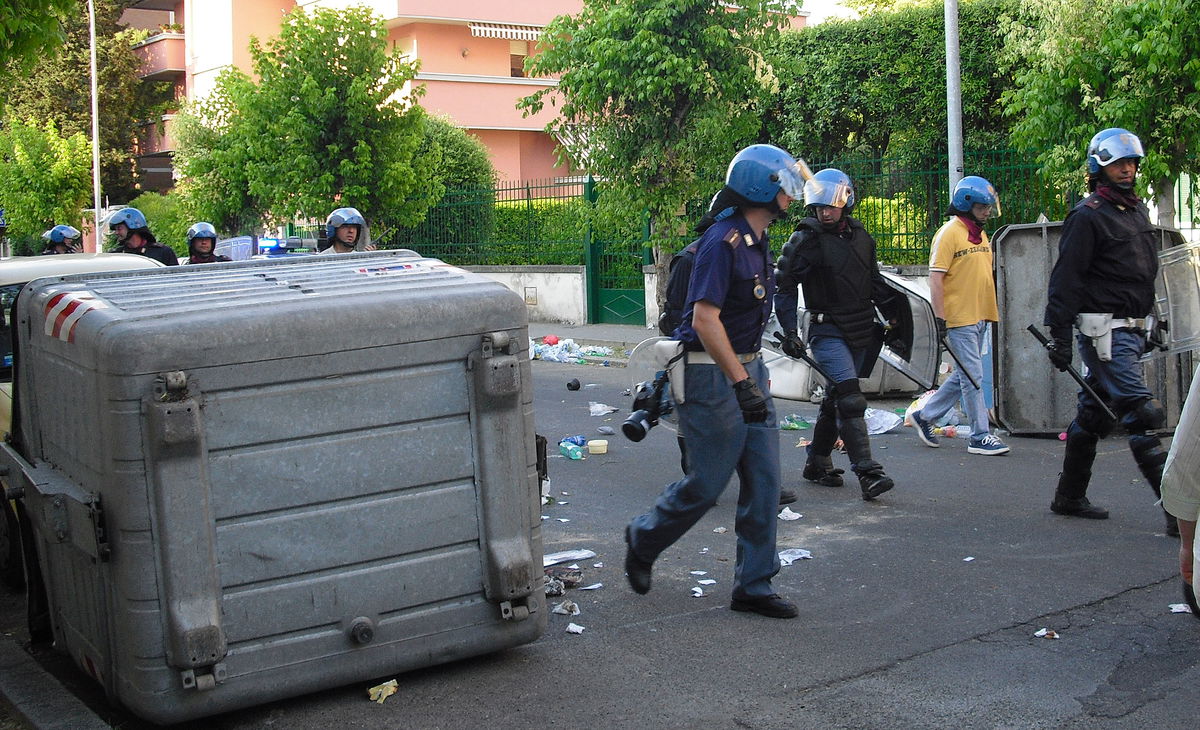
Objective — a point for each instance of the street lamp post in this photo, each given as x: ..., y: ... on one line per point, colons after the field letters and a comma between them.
x: 95, y: 130
x: 954, y: 133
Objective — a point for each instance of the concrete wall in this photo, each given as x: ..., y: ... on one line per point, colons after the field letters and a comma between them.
x: 551, y: 293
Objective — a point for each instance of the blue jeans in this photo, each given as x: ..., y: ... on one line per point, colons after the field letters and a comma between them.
x: 1120, y: 380
x: 968, y: 342
x: 720, y: 443
x: 836, y: 358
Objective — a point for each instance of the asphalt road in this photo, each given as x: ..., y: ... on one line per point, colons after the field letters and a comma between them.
x: 917, y: 611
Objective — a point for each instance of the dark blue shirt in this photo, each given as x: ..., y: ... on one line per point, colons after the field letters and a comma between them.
x: 735, y: 273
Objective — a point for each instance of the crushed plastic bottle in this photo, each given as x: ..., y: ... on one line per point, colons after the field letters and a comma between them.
x: 572, y: 451
x: 793, y: 422
x: 953, y: 432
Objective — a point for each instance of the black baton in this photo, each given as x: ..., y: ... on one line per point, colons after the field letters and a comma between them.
x: 1033, y: 330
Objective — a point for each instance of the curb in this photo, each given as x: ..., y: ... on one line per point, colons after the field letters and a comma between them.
x: 37, y: 697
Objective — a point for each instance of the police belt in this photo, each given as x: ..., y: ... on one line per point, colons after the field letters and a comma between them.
x: 819, y: 317
x: 701, y: 357
x: 1129, y: 323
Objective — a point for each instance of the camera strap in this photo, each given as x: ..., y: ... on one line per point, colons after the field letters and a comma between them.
x: 669, y: 356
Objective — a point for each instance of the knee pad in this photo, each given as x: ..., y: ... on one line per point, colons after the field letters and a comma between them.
x: 850, y: 400
x: 1148, y: 415
x: 1094, y: 420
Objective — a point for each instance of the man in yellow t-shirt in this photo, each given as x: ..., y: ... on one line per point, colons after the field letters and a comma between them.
x: 962, y: 290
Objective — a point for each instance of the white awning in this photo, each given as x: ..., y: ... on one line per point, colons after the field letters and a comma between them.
x: 507, y: 32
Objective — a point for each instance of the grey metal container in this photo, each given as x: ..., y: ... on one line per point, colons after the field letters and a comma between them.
x: 261, y: 479
x: 1031, y: 396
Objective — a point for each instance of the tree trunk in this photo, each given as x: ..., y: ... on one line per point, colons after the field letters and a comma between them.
x: 1164, y: 201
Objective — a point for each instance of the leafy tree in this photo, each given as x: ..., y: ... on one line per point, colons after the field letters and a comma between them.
x: 29, y: 27
x: 655, y: 97
x: 45, y: 178
x: 877, y: 86
x: 324, y: 122
x: 58, y: 87
x: 1123, y: 63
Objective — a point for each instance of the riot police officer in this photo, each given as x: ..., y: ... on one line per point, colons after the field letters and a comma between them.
x: 61, y: 239
x: 832, y: 256
x: 726, y: 413
x: 1103, y: 283
x: 344, y: 228
x: 134, y: 236
x: 202, y: 240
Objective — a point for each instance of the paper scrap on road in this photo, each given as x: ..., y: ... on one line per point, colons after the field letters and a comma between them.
x: 565, y: 555
x: 1180, y: 608
x: 791, y: 555
x: 787, y: 515
x: 721, y: 530
x: 1046, y: 634
x: 597, y: 565
x: 592, y: 587
x: 697, y: 592
x: 566, y: 608
x: 600, y: 409
x: 707, y: 582
x: 574, y: 628
x: 968, y: 559
x: 381, y: 692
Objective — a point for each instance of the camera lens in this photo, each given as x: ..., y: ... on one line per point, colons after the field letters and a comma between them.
x: 636, y: 426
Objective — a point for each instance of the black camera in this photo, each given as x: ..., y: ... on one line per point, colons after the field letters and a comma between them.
x: 651, y: 402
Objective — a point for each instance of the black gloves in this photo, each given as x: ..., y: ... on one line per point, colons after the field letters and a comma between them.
x: 751, y: 400
x: 941, y: 328
x: 1059, y: 349
x: 791, y: 344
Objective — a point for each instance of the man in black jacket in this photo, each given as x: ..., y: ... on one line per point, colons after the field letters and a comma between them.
x: 833, y: 257
x: 1103, y: 283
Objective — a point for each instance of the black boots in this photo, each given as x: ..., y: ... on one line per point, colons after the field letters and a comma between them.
x: 820, y: 469
x: 871, y: 478
x: 1076, y: 472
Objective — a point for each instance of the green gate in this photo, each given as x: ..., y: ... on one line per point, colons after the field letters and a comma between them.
x: 615, y: 285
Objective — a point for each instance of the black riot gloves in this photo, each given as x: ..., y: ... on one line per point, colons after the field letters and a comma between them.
x: 1059, y: 350
x: 791, y: 344
x: 751, y: 400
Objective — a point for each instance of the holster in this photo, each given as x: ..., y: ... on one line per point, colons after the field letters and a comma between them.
x: 668, y: 355
x: 1099, y: 327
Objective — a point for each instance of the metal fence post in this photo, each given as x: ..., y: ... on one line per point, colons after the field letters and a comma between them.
x: 591, y: 277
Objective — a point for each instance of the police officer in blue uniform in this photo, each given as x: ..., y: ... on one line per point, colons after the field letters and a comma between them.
x: 727, y: 416
x: 833, y: 257
x: 1104, y: 281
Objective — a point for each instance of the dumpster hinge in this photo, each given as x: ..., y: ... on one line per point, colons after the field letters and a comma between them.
x: 517, y: 610
x: 203, y: 682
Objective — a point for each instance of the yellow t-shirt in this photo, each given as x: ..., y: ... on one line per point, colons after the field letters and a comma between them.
x: 969, y: 291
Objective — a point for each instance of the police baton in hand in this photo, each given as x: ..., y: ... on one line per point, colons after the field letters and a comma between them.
x: 805, y: 357
x: 1033, y: 330
x: 958, y: 362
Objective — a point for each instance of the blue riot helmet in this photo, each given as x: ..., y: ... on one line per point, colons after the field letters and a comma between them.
x: 760, y: 171
x: 830, y: 187
x: 131, y: 217
x: 1111, y: 145
x: 344, y: 217
x: 973, y: 189
x: 201, y: 230
x: 61, y: 233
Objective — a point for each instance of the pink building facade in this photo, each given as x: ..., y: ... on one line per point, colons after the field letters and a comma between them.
x: 471, y: 53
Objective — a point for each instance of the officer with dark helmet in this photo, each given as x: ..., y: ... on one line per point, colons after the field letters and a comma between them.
x: 832, y: 256
x: 1103, y: 284
x: 344, y: 228
x: 202, y: 242
x: 61, y: 239
x: 726, y: 413
x: 134, y: 236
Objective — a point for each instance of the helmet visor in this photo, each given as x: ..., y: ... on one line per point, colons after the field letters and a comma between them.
x: 827, y: 192
x: 791, y: 179
x: 1118, y: 147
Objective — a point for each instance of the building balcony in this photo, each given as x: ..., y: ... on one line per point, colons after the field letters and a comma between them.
x: 162, y: 56
x: 154, y: 138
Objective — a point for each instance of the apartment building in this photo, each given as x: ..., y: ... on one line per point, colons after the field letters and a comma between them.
x: 472, y: 56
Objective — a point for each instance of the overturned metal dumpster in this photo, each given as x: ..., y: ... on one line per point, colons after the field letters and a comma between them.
x: 255, y: 480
